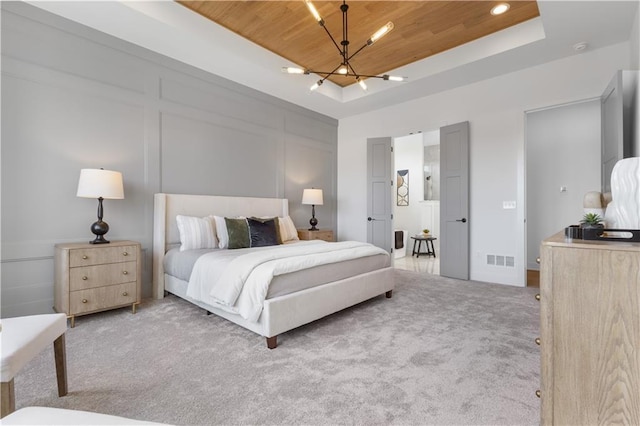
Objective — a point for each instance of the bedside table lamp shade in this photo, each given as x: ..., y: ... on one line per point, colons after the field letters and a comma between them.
x: 101, y: 184
x: 314, y: 197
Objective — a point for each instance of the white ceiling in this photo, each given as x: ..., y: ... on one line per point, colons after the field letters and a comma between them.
x: 175, y: 31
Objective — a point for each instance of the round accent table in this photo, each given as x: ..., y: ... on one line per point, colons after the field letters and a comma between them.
x: 428, y: 242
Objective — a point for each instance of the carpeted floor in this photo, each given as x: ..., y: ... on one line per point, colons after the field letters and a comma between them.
x: 441, y: 351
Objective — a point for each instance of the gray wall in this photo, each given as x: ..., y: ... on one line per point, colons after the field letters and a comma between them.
x: 75, y: 98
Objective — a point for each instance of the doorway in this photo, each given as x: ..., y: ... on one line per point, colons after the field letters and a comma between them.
x: 562, y: 164
x: 454, y: 194
x: 416, y: 205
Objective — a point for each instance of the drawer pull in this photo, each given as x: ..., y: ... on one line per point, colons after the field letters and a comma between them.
x: 538, y: 297
x: 125, y: 254
x: 125, y: 273
x: 85, y: 257
x: 538, y: 341
x: 125, y: 294
x: 84, y: 278
x: 84, y: 300
x: 538, y: 393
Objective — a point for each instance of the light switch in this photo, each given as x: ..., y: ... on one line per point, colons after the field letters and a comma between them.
x: 508, y: 205
x: 563, y: 189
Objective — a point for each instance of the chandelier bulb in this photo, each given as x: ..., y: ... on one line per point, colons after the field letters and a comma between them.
x: 362, y: 84
x: 293, y: 70
x: 314, y: 12
x: 394, y: 78
x: 316, y: 85
x: 343, y: 70
x: 381, y: 32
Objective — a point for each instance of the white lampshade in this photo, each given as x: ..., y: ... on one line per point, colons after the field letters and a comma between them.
x: 96, y: 183
x: 312, y: 196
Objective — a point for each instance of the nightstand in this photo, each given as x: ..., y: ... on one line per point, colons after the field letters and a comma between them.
x: 321, y: 234
x: 96, y: 277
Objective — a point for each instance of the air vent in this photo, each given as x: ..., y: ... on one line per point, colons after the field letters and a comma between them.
x: 501, y: 260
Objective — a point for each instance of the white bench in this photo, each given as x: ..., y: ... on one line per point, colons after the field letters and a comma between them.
x: 60, y: 416
x: 21, y: 339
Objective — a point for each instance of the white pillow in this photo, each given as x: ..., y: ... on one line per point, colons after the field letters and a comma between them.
x: 221, y: 232
x: 196, y: 233
x: 288, y: 231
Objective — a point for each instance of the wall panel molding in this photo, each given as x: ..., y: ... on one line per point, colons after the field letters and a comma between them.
x: 75, y: 98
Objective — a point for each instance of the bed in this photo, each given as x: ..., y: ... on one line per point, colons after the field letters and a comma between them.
x: 280, y: 312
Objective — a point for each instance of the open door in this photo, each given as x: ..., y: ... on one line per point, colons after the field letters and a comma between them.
x: 454, y: 201
x: 379, y: 192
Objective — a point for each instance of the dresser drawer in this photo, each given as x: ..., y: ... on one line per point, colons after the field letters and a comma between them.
x: 100, y: 298
x: 98, y: 256
x: 86, y: 277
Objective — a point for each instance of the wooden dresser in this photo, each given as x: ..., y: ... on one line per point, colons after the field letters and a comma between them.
x: 589, y: 332
x: 96, y: 277
x: 321, y: 234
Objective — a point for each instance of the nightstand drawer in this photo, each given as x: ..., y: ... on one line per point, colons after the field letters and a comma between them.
x: 101, y: 255
x: 100, y: 275
x: 99, y: 298
x: 322, y: 234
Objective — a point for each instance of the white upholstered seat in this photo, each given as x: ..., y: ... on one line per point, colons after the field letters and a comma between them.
x: 21, y: 339
x: 60, y: 416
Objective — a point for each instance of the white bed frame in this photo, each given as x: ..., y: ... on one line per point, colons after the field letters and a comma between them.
x: 280, y: 314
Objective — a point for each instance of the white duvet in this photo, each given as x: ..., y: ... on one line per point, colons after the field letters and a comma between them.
x: 240, y: 283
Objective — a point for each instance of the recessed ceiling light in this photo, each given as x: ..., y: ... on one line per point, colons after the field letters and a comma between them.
x: 580, y: 46
x: 500, y: 9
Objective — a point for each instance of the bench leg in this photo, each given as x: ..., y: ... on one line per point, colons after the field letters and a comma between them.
x: 8, y: 398
x: 60, y: 355
x: 272, y: 342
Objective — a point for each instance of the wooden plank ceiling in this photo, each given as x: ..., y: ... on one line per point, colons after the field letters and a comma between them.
x: 422, y: 28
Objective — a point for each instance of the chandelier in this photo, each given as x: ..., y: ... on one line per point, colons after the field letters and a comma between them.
x: 344, y: 68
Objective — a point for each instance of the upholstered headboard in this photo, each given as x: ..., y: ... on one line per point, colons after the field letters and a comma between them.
x: 167, y: 206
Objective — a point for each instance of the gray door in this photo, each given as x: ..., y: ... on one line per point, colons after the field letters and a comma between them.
x: 454, y: 201
x: 379, y: 192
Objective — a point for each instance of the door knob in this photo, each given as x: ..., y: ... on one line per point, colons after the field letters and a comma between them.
x: 463, y: 220
x: 370, y: 219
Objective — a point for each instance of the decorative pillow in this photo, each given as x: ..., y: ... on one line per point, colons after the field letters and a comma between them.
x: 277, y: 220
x: 288, y: 231
x: 263, y: 232
x: 221, y: 232
x: 196, y: 233
x: 238, y: 231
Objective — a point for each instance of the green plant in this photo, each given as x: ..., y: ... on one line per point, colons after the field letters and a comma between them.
x: 591, y: 219
x: 425, y: 231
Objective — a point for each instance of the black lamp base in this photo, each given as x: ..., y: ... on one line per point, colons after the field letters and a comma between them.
x: 99, y: 228
x: 313, y: 222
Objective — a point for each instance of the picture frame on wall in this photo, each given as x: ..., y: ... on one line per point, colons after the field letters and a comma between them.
x: 402, y: 188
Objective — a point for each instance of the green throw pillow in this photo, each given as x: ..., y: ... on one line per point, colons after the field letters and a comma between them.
x: 238, y: 231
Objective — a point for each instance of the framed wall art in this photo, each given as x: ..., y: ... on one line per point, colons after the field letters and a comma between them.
x: 402, y: 190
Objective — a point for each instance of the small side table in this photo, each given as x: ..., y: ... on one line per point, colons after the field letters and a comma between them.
x: 428, y: 242
x: 96, y: 277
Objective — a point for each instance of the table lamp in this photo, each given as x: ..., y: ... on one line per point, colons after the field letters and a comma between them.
x: 314, y: 197
x: 101, y: 184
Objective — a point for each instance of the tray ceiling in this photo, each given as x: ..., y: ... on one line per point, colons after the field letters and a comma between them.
x: 422, y: 29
